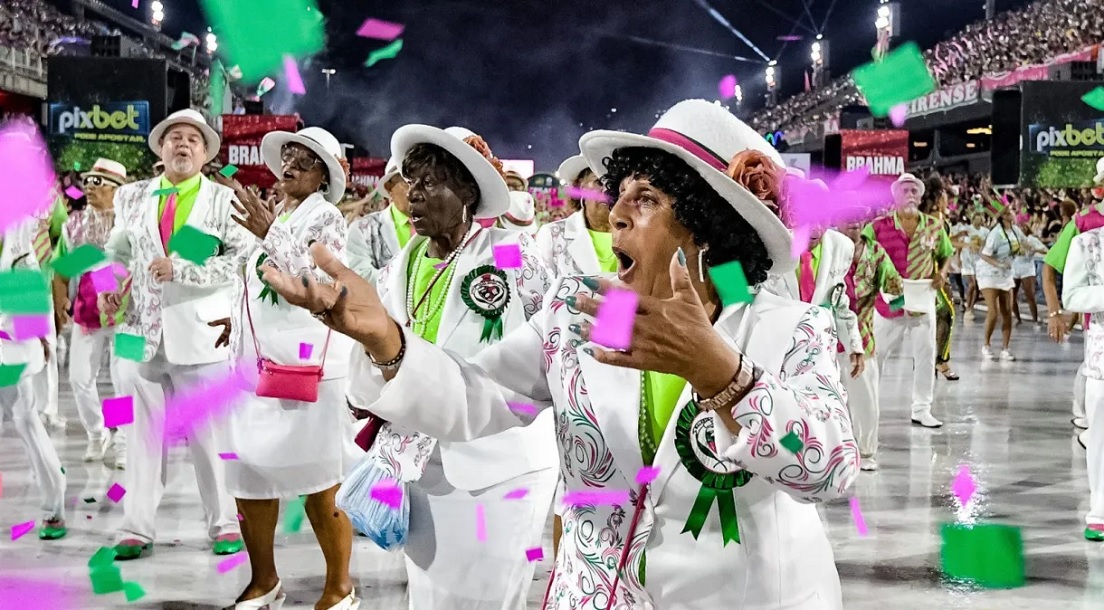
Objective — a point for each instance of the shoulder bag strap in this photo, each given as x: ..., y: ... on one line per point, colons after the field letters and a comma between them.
x: 253, y: 331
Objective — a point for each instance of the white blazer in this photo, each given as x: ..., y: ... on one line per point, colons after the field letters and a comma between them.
x: 566, y: 249
x: 178, y: 311
x: 837, y: 252
x: 476, y: 464
x: 1083, y: 292
x: 373, y: 242
x: 281, y: 327
x: 18, y: 253
x: 783, y: 559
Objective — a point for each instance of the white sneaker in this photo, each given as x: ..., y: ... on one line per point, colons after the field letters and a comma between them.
x: 986, y: 352
x: 97, y: 447
x: 926, y: 420
x: 868, y: 464
x: 53, y: 421
x: 1006, y: 356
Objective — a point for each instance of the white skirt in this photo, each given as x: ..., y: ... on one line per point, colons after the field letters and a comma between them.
x: 969, y: 262
x: 1023, y: 267
x: 994, y: 278
x: 288, y: 448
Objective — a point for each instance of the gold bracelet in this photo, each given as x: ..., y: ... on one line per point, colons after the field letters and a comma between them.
x: 741, y: 384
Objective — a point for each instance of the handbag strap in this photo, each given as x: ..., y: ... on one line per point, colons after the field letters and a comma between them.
x: 253, y: 331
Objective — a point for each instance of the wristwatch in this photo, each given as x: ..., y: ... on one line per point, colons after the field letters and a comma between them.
x: 735, y: 391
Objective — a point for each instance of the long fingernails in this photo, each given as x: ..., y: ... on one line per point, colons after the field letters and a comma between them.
x: 570, y: 301
x: 588, y: 352
x: 344, y: 292
x: 681, y: 257
x: 591, y: 283
x: 306, y: 283
x: 575, y: 329
x: 310, y: 242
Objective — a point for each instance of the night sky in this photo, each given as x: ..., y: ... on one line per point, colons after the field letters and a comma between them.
x: 531, y: 76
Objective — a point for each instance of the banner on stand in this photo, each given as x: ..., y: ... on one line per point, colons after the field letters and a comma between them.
x: 241, y: 144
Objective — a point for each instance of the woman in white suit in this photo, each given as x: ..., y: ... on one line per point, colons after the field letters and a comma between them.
x: 580, y: 244
x: 757, y: 424
x: 288, y: 448
x: 448, y: 287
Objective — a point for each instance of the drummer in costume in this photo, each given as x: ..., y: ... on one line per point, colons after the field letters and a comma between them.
x: 287, y: 446
x: 376, y: 238
x: 174, y: 305
x: 581, y: 244
x: 446, y: 288
x: 712, y: 396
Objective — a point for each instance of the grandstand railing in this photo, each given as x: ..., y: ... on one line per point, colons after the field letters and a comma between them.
x: 23, y: 71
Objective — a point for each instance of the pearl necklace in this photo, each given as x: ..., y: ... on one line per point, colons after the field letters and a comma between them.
x: 447, y: 268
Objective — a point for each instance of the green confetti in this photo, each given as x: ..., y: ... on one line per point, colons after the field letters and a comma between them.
x: 24, y: 291
x: 897, y: 304
x: 130, y: 347
x: 792, y: 443
x: 1095, y: 98
x: 987, y: 555
x: 106, y: 579
x: 731, y: 283
x: 133, y: 591
x: 10, y: 374
x: 76, y: 166
x: 293, y: 518
x: 165, y: 192
x: 78, y: 261
x: 90, y: 500
x: 229, y: 170
x: 388, y: 52
x: 193, y: 245
x: 900, y: 77
x: 105, y: 556
x: 256, y: 34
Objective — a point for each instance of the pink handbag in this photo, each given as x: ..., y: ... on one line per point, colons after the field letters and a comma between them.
x: 285, y: 381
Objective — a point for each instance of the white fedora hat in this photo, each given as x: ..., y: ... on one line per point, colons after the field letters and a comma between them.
x: 319, y: 141
x: 108, y: 170
x: 571, y: 168
x: 390, y: 171
x: 1099, y: 172
x: 186, y: 117
x: 522, y: 215
x: 494, y: 197
x: 706, y: 137
x: 907, y: 177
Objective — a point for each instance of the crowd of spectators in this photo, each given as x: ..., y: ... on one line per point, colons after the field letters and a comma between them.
x: 1032, y: 35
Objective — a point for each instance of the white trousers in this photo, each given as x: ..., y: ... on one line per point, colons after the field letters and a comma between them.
x: 1094, y: 397
x: 87, y: 350
x: 862, y: 402
x: 18, y: 402
x: 448, y: 568
x: 45, y: 383
x: 1079, y: 392
x: 147, y: 460
x: 889, y: 334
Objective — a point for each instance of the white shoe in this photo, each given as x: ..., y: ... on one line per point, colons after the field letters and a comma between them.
x: 1080, y: 422
x: 97, y: 447
x: 349, y: 602
x: 1006, y: 356
x: 273, y: 600
x: 986, y: 352
x: 53, y: 421
x: 868, y: 464
x: 926, y: 420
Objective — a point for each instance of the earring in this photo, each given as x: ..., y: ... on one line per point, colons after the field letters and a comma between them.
x: 465, y: 214
x: 701, y: 264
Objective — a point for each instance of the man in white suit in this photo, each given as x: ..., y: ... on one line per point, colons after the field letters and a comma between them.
x: 820, y: 279
x: 376, y: 238
x: 173, y: 304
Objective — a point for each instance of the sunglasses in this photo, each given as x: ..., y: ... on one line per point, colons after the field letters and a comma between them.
x: 96, y: 181
x: 303, y: 161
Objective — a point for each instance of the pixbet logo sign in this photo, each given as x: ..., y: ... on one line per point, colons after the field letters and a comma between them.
x: 102, y: 121
x: 1070, y: 140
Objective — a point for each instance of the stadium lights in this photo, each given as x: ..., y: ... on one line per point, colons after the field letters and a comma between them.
x: 212, y: 43
x: 157, y: 16
x: 739, y: 94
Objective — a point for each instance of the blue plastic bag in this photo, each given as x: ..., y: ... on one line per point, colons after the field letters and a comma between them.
x: 385, y: 525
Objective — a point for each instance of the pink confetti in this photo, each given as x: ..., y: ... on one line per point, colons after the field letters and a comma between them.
x: 232, y: 562
x: 32, y: 327
x: 854, y: 197
x: 522, y: 408
x: 228, y: 456
x: 305, y: 350
x: 480, y: 523
x: 198, y: 406
x: 898, y: 114
x: 104, y: 280
x: 516, y: 494
x: 118, y: 411
x: 790, y: 38
x: 291, y: 73
x: 534, y: 554
x: 857, y: 516
x: 647, y: 474
x: 613, y: 325
x: 586, y: 194
x: 800, y: 241
x: 29, y: 594
x: 387, y: 492
x: 27, y: 187
x: 240, y: 517
x: 727, y: 87
x: 18, y: 531
x: 441, y: 265
x: 964, y: 485
x: 849, y: 181
x: 134, y: 4
x: 116, y: 493
x: 507, y: 256
x: 380, y: 30
x: 73, y: 192
x: 4, y: 336
x: 580, y: 498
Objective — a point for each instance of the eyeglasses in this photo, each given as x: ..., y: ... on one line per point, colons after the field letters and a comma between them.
x: 301, y: 160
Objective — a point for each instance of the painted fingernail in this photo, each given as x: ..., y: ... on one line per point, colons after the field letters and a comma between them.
x: 591, y: 283
x: 570, y: 301
x: 682, y: 257
x: 575, y: 329
x: 588, y: 351
x: 306, y: 283
x: 344, y: 292
x: 311, y: 242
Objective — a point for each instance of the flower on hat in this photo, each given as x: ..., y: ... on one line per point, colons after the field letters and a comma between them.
x: 756, y: 172
x: 480, y: 145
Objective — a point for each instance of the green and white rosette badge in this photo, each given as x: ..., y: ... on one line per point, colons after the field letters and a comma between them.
x: 697, y: 450
x: 486, y: 291
x: 267, y: 292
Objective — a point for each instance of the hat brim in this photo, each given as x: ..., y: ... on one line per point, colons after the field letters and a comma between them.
x: 115, y: 178
x: 494, y: 196
x: 272, y: 146
x: 1099, y: 179
x: 210, y: 136
x: 599, y: 145
x: 570, y: 169
x: 898, y: 184
x: 381, y: 186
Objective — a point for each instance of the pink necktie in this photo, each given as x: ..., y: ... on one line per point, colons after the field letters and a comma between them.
x: 806, y: 281
x: 168, y: 219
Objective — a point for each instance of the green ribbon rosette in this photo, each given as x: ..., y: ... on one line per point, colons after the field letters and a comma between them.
x: 696, y: 447
x: 486, y: 291
x: 267, y: 292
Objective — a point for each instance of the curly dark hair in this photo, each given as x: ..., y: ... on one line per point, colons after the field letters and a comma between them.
x: 933, y: 192
x: 445, y: 167
x: 710, y: 219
